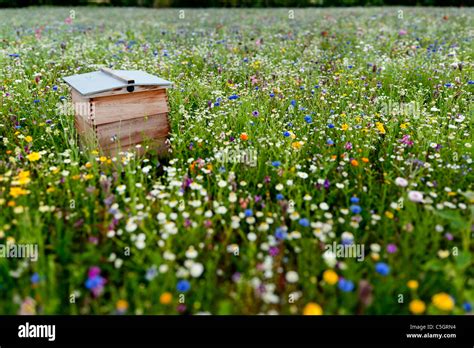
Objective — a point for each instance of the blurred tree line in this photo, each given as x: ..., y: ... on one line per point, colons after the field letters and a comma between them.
x: 232, y: 3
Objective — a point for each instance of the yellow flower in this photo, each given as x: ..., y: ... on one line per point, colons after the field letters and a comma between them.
x: 380, y: 127
x: 443, y: 301
x: 121, y: 305
x: 417, y: 307
x: 103, y: 159
x: 297, y: 145
x: 23, y: 177
x: 345, y: 127
x: 28, y: 139
x: 404, y: 125
x: 34, y: 156
x: 166, y: 298
x: 375, y: 256
x: 330, y: 277
x: 17, y: 191
x: 389, y: 214
x: 312, y: 309
x: 88, y: 165
x: 256, y: 64
x: 412, y: 284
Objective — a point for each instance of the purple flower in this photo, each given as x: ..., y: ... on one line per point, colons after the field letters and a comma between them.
x: 391, y: 248
x: 95, y: 282
x: 273, y: 251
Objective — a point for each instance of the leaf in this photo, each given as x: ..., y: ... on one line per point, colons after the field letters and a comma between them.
x: 463, y: 260
x: 433, y: 265
x: 454, y: 218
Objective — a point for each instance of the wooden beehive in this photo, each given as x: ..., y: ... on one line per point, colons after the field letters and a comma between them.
x: 118, y: 110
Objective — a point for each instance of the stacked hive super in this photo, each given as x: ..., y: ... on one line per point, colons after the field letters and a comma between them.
x: 118, y: 110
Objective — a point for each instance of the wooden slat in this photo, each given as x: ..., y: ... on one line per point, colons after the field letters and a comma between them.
x: 82, y: 105
x: 85, y: 130
x: 132, y: 131
x: 129, y: 106
x: 158, y: 145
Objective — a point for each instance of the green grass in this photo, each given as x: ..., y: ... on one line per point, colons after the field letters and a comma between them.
x: 323, y: 60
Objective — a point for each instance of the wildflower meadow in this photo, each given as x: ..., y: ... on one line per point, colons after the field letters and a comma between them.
x: 320, y: 162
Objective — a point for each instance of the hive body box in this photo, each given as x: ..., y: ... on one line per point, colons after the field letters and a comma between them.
x: 119, y: 109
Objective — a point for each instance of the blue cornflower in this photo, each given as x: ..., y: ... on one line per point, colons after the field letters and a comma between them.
x: 308, y: 119
x: 272, y: 95
x: 183, y: 286
x: 304, y: 222
x: 35, y: 278
x: 467, y: 306
x: 382, y: 268
x: 279, y: 196
x: 276, y: 163
x: 280, y: 233
x: 248, y: 212
x: 330, y: 125
x: 345, y: 285
x: 233, y: 97
x: 286, y: 133
x: 293, y: 102
x: 330, y: 142
x: 354, y: 200
x: 355, y: 209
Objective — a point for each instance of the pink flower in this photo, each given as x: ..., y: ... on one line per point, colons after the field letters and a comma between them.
x: 415, y: 196
x: 402, y: 32
x: 68, y: 20
x: 401, y: 182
